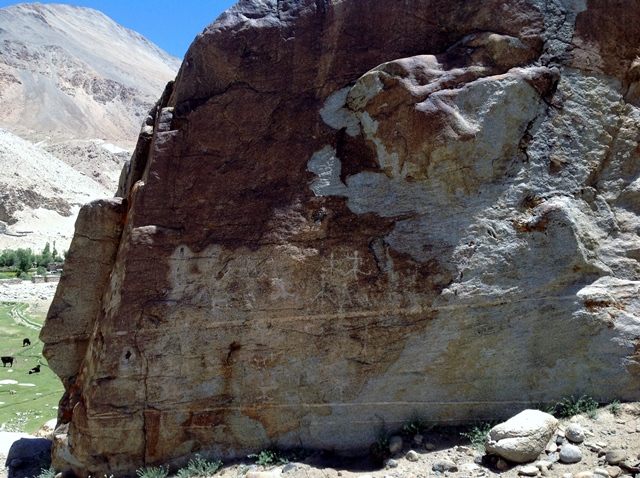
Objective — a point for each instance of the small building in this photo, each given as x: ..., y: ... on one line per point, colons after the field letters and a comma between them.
x: 55, y: 267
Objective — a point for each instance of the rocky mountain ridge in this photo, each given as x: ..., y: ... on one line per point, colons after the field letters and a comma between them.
x: 79, y: 86
x: 70, y: 72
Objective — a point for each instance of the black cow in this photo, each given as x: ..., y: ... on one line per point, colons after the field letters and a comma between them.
x: 35, y: 369
x: 26, y: 342
x: 7, y: 360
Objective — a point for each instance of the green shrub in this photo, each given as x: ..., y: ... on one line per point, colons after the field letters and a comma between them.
x: 615, y: 408
x: 269, y: 457
x: 198, y: 466
x: 574, y: 406
x: 415, y: 426
x: 22, y: 275
x: 477, y: 434
x: 47, y: 473
x: 153, y: 472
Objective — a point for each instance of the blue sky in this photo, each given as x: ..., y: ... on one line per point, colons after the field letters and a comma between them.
x: 170, y: 24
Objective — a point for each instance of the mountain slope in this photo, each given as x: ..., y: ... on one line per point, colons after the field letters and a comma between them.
x: 40, y: 195
x: 79, y: 85
x: 70, y: 72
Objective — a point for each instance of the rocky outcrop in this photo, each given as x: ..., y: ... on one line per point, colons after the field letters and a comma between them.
x: 344, y: 214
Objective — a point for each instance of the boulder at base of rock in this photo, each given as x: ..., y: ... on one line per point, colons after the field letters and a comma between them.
x: 523, y: 437
x: 46, y: 430
x: 28, y: 457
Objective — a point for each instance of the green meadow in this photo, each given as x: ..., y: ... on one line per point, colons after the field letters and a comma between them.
x: 27, y: 401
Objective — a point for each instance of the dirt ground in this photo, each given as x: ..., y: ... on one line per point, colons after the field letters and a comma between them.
x: 604, y: 432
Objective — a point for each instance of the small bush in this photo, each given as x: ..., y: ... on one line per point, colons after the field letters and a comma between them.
x: 198, y: 466
x: 22, y: 275
x: 153, y: 472
x: 477, y: 434
x: 416, y: 426
x: 47, y: 473
x: 615, y: 408
x: 574, y: 406
x: 269, y: 457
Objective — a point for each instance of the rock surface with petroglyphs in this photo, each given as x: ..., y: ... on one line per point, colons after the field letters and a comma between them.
x: 343, y: 215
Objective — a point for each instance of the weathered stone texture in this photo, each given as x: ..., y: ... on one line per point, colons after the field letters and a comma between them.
x: 522, y: 438
x: 353, y: 212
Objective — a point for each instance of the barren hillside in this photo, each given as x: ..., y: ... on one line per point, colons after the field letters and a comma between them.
x: 78, y: 86
x: 39, y: 195
x: 70, y: 72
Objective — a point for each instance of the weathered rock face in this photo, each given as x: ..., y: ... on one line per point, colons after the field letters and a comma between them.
x: 349, y: 213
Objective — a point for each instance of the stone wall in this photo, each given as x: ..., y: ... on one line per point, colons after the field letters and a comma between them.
x: 38, y: 279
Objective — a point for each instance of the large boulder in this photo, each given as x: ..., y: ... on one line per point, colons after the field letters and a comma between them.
x: 523, y: 437
x: 343, y: 214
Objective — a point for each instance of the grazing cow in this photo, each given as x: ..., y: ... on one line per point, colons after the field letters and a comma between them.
x: 35, y: 369
x: 7, y: 360
x: 26, y: 342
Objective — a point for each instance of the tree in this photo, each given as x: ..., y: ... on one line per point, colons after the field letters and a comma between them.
x: 45, y: 257
x: 8, y: 258
x: 25, y: 261
x: 56, y: 254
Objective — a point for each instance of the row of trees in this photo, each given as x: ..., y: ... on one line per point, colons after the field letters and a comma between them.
x: 22, y: 260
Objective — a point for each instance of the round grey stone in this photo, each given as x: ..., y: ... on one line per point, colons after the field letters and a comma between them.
x: 600, y: 473
x: 395, y: 444
x: 391, y: 463
x: 444, y: 465
x: 616, y: 456
x: 574, y: 433
x: 289, y: 467
x: 570, y: 454
x: 412, y: 456
x: 528, y: 470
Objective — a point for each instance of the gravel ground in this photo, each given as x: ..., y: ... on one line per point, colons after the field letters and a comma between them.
x: 38, y: 296
x: 439, y: 449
